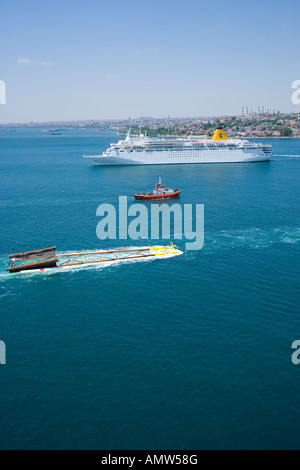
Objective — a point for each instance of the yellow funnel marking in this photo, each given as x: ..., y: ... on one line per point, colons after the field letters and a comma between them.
x: 220, y: 135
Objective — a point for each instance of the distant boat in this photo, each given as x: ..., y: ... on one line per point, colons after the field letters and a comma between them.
x: 53, y: 132
x: 160, y: 192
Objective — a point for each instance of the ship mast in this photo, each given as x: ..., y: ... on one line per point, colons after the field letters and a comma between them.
x: 128, y: 135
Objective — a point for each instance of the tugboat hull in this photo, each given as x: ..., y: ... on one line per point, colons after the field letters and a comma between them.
x: 158, y: 196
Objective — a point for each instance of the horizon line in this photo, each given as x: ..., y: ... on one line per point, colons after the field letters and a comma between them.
x: 146, y: 118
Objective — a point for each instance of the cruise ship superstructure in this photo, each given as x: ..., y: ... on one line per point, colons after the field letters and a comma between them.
x: 143, y: 150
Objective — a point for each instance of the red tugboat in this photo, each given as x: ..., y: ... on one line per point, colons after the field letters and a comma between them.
x: 160, y: 192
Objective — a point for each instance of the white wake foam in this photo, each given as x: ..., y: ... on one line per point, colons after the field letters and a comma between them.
x: 251, y: 238
x: 290, y: 156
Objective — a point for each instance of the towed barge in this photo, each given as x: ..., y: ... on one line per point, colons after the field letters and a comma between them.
x: 46, y: 259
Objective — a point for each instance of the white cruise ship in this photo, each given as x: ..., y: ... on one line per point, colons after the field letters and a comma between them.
x: 143, y: 150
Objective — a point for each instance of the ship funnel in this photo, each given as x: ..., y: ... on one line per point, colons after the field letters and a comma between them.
x: 220, y: 134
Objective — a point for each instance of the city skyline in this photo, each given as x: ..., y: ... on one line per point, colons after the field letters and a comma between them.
x: 68, y: 61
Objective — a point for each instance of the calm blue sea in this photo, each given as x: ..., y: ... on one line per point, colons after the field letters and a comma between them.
x: 191, y: 352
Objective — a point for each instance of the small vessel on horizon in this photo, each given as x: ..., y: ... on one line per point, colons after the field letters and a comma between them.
x: 52, y: 131
x: 159, y: 192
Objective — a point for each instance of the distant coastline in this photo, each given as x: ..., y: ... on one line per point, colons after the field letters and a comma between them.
x: 122, y: 134
x: 249, y: 126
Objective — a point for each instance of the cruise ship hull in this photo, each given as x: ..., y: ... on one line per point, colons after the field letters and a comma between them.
x: 230, y: 156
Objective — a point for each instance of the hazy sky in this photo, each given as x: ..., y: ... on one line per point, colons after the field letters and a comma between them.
x: 94, y: 59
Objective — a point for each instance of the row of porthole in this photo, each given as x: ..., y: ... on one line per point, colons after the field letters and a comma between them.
x: 180, y: 153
